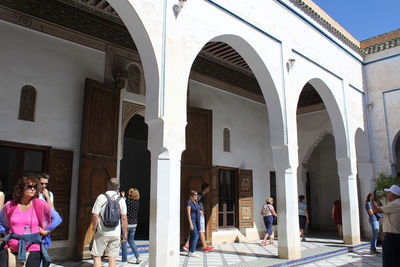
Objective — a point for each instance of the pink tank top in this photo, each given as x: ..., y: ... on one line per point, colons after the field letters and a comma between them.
x: 18, y: 222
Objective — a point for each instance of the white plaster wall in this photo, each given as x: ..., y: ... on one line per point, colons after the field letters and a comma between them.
x: 250, y: 147
x: 324, y: 184
x: 57, y: 69
x: 382, y: 75
x: 311, y: 129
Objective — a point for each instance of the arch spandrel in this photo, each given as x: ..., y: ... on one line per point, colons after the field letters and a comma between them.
x: 264, y: 78
x: 141, y: 26
x: 334, y: 109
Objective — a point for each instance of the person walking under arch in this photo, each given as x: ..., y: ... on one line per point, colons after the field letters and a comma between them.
x: 268, y: 213
x: 202, y: 201
x: 107, y: 238
x: 132, y: 205
x: 193, y: 214
x: 303, y: 216
x: 337, y: 216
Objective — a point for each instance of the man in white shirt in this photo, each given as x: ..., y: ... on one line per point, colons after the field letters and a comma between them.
x: 391, y: 226
x: 107, y: 239
x: 45, y: 194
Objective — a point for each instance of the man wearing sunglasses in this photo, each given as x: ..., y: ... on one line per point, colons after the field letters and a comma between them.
x: 45, y: 194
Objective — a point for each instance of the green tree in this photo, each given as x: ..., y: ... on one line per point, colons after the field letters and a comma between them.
x: 384, y: 181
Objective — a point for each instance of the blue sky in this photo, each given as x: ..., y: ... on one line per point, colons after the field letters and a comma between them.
x: 364, y: 18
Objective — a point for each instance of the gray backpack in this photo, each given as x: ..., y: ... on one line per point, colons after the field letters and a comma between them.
x: 112, y: 212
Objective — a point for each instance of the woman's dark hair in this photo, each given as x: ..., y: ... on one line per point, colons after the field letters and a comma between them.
x: 368, y: 198
x: 301, y: 197
x: 20, y: 186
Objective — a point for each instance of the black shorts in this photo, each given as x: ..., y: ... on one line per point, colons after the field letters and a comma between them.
x: 302, y: 222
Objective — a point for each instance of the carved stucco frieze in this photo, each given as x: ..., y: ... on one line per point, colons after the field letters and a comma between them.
x: 128, y: 62
x: 128, y: 111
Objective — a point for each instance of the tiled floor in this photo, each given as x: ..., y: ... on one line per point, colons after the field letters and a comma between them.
x: 253, y: 254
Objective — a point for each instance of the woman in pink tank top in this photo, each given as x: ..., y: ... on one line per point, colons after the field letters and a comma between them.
x: 25, y: 214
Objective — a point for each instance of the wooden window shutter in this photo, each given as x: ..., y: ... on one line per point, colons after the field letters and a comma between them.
x: 245, y: 201
x: 214, y: 199
x: 60, y: 170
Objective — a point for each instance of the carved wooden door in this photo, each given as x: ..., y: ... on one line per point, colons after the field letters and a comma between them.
x: 98, y: 161
x: 196, y: 163
x: 60, y: 170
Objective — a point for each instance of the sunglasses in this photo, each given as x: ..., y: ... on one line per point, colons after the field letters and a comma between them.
x: 30, y: 187
x: 44, y: 184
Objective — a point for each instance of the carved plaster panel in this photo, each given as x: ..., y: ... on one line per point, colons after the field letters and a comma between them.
x: 128, y: 111
x: 124, y: 61
x: 27, y: 104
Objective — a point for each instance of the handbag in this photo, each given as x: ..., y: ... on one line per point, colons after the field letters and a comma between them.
x: 13, y: 259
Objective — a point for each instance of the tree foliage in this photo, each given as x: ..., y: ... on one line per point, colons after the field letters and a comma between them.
x: 384, y: 181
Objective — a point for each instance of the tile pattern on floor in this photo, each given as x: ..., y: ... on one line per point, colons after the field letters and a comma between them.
x: 252, y: 254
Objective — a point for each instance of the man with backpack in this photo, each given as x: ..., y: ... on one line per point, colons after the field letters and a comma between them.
x: 108, y: 210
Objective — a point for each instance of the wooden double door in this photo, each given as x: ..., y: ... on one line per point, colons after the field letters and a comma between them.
x: 196, y: 164
x: 98, y: 159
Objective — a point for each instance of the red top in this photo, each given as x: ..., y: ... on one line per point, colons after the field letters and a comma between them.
x: 338, y: 212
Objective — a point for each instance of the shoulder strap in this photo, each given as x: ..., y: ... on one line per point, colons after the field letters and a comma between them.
x: 11, y: 211
x: 108, y: 199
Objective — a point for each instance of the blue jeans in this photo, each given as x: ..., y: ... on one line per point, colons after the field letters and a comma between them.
x: 194, y: 237
x: 375, y: 231
x: 268, y: 220
x: 131, y: 241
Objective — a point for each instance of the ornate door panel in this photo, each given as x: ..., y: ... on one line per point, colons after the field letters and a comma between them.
x: 60, y: 170
x: 196, y: 163
x: 245, y: 200
x: 98, y: 156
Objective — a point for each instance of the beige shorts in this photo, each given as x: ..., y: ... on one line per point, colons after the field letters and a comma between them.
x: 105, y: 245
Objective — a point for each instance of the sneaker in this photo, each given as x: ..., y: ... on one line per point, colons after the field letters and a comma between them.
x: 264, y: 243
x: 303, y: 239
x: 271, y: 242
x: 373, y: 252
x: 208, y: 249
x: 185, y: 248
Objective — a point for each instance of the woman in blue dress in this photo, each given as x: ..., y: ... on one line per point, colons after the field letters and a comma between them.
x: 193, y: 214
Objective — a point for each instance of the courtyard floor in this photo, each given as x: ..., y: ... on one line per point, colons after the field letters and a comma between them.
x: 315, y: 252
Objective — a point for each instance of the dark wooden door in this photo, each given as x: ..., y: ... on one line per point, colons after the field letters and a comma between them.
x: 98, y: 161
x: 196, y: 163
x: 60, y: 170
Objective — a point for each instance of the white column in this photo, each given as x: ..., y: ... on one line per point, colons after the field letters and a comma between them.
x: 287, y: 206
x: 349, y: 199
x: 365, y: 176
x: 164, y: 200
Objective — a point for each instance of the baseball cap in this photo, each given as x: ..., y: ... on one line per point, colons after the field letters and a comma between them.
x: 394, y: 189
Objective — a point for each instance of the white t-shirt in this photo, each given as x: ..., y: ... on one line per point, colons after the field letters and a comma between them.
x: 41, y: 196
x: 99, y: 207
